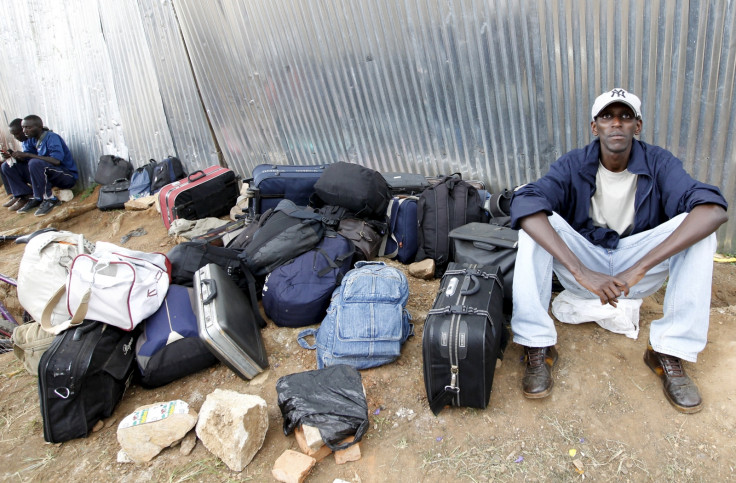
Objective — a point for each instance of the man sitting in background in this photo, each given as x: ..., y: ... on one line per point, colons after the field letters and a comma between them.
x: 612, y: 220
x: 16, y: 201
x: 51, y: 165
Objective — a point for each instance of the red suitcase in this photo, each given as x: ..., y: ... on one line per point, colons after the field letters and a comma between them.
x: 212, y: 192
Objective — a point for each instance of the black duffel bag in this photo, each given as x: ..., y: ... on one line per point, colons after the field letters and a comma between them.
x: 110, y: 168
x: 362, y: 191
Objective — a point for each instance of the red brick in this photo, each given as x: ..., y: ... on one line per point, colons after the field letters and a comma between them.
x: 319, y: 454
x: 352, y: 453
x: 292, y: 467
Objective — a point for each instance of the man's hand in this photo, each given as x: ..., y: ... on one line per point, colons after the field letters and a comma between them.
x: 607, y: 288
x: 21, y: 155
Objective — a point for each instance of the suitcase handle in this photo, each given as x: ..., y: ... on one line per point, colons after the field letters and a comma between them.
x: 212, y: 286
x: 472, y: 290
x: 191, y: 177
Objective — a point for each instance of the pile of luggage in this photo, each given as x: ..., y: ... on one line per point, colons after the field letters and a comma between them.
x: 308, y: 250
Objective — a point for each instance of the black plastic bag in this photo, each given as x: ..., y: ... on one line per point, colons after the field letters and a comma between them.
x: 330, y: 399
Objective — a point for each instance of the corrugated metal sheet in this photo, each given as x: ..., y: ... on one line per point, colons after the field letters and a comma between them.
x: 495, y: 89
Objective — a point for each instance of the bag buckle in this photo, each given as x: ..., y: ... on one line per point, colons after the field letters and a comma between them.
x: 65, y: 390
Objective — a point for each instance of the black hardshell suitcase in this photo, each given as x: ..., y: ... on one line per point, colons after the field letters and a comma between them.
x: 229, y: 322
x: 463, y: 336
x: 271, y: 183
x: 406, y: 184
x: 82, y: 377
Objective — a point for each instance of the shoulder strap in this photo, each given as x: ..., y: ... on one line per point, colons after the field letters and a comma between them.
x: 77, y: 319
x: 291, y: 209
x: 442, y: 243
x: 251, y: 280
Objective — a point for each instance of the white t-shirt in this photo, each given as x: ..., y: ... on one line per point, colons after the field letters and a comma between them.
x: 612, y: 205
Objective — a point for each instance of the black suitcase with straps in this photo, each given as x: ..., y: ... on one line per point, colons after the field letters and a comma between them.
x: 82, y: 377
x: 463, y: 336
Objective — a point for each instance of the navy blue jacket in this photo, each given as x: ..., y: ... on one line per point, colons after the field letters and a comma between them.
x: 664, y: 190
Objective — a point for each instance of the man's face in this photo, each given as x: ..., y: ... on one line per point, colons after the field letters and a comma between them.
x: 17, y: 133
x: 31, y: 128
x: 616, y: 126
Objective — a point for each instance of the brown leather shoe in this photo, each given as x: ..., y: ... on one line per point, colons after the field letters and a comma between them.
x: 680, y: 390
x: 19, y: 203
x: 537, y: 382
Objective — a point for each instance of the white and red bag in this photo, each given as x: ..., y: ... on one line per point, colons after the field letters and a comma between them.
x: 114, y: 285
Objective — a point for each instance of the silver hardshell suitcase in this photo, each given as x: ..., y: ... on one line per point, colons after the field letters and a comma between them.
x: 227, y: 323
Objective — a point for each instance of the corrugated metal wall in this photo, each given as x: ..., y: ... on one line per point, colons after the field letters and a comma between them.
x: 495, y: 89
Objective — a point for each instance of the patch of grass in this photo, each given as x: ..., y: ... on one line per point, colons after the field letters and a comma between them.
x: 198, y: 470
x: 401, y: 444
x: 86, y: 193
x: 38, y: 463
x: 379, y: 422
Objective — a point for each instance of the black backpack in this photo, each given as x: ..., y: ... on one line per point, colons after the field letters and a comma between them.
x: 167, y: 171
x: 283, y: 233
x: 82, y: 377
x: 450, y: 203
x: 362, y: 191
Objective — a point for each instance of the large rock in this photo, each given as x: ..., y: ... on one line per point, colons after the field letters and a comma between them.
x: 233, y: 426
x: 151, y: 428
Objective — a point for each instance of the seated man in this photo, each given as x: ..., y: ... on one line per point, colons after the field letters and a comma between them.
x: 51, y: 165
x: 613, y: 220
x: 16, y: 201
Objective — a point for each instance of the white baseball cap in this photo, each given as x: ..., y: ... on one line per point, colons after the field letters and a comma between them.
x: 616, y: 95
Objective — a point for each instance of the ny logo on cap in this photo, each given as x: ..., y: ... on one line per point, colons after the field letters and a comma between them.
x: 618, y: 93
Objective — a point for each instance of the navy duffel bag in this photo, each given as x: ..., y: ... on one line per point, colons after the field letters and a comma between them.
x: 169, y: 347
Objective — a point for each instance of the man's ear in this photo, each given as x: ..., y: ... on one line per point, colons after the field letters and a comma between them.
x: 593, y: 128
x: 639, y: 124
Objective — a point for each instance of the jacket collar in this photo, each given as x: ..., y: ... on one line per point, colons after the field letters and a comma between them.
x: 637, y: 161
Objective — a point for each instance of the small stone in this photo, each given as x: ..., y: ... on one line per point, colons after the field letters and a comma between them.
x: 423, y: 270
x: 188, y: 443
x: 98, y: 426
x: 123, y: 457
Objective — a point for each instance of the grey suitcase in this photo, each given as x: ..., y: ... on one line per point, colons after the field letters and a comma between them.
x: 228, y: 322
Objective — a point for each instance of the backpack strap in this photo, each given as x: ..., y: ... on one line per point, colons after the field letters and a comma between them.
x: 304, y: 334
x: 291, y: 209
x: 251, y: 280
x: 441, y: 195
x: 392, y: 213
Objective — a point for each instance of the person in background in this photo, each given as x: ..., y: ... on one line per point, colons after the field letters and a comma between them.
x: 52, y: 165
x: 615, y: 219
x: 16, y: 201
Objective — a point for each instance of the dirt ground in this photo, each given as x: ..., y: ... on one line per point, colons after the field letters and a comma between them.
x: 606, y: 419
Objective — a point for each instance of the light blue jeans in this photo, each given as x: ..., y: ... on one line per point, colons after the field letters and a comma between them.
x: 681, y: 332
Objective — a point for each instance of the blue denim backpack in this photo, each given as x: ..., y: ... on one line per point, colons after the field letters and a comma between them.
x: 367, y: 321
